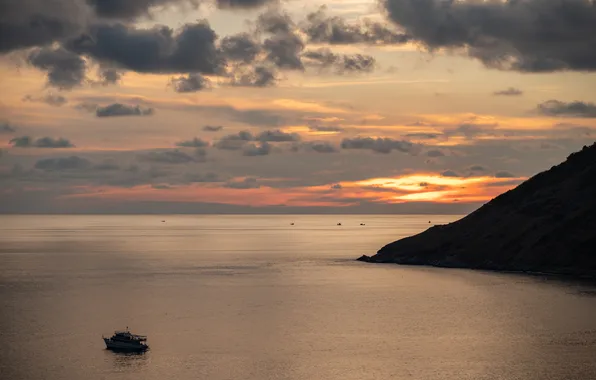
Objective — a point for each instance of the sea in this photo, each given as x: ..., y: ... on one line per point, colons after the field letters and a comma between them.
x: 260, y: 297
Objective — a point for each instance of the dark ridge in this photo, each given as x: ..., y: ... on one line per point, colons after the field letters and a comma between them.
x: 547, y: 224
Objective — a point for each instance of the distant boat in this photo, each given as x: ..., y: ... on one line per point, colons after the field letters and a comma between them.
x: 362, y: 224
x: 125, y: 341
x: 339, y: 224
x: 291, y: 224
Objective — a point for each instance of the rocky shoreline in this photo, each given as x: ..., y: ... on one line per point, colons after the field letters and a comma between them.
x: 545, y: 225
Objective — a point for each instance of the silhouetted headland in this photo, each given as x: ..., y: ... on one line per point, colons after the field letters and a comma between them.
x: 547, y: 224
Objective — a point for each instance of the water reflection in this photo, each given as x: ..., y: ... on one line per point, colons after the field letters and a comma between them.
x: 127, y: 361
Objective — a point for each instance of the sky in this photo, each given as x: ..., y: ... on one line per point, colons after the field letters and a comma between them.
x: 263, y: 106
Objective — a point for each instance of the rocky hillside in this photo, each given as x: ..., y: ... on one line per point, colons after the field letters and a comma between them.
x: 546, y: 224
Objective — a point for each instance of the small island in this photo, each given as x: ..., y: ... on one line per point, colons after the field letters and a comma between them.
x: 547, y: 224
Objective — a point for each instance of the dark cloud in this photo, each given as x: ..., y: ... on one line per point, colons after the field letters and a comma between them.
x: 235, y: 141
x: 159, y: 49
x: 131, y: 9
x: 450, y: 173
x: 522, y: 35
x: 243, y: 3
x: 118, y: 109
x: 43, y: 142
x: 471, y: 130
x: 190, y: 83
x: 504, y: 174
x: 379, y: 145
x: 202, y: 178
x: 240, y: 47
x: 25, y: 24
x: 277, y: 136
x: 6, y: 128
x: 258, y: 76
x: 167, y: 157
x: 245, y: 184
x: 106, y: 166
x: 212, y: 128
x: 30, y: 23
x: 275, y: 21
x: 337, y: 186
x: 477, y: 168
x: 321, y: 28
x: 194, y: 143
x: 435, y: 153
x: 325, y: 58
x: 320, y: 147
x: 571, y: 109
x: 325, y: 128
x: 511, y: 91
x: 262, y: 149
x: 424, y: 136
x: 54, y: 100
x: 284, y: 50
x: 109, y: 76
x: 65, y: 69
x: 63, y: 163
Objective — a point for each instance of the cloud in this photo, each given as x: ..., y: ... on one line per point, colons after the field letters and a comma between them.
x: 43, y: 142
x: 323, y: 29
x: 435, y: 153
x: 337, y: 186
x: 6, y: 128
x: 284, y: 50
x: 63, y: 163
x: 194, y: 143
x: 450, y: 173
x: 325, y: 128
x: 424, y: 136
x: 106, y: 166
x: 240, y: 47
x: 378, y: 145
x: 257, y: 76
x: 65, y: 69
x: 477, y: 168
x: 167, y: 157
x: 527, y: 36
x: 275, y: 21
x: 159, y: 49
x: 118, y: 109
x: 131, y: 9
x: 262, y: 149
x: 202, y: 178
x: 190, y: 83
x: 109, y: 76
x: 242, y: 3
x: 31, y: 23
x: 245, y: 184
x: 504, y: 174
x: 277, y: 136
x: 470, y: 130
x: 212, y: 128
x: 54, y: 100
x: 319, y: 147
x: 511, y: 91
x: 325, y: 58
x: 235, y: 141
x: 571, y: 109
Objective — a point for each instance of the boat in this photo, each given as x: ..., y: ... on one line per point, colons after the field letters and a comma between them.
x: 126, y: 341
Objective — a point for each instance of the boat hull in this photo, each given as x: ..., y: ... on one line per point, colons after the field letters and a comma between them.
x: 124, y: 346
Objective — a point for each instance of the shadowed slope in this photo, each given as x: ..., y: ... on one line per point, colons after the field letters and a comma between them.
x: 546, y: 224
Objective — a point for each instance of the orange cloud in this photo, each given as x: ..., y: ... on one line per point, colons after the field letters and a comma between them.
x: 408, y: 188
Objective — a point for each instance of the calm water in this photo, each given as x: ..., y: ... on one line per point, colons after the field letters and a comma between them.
x: 251, y: 297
